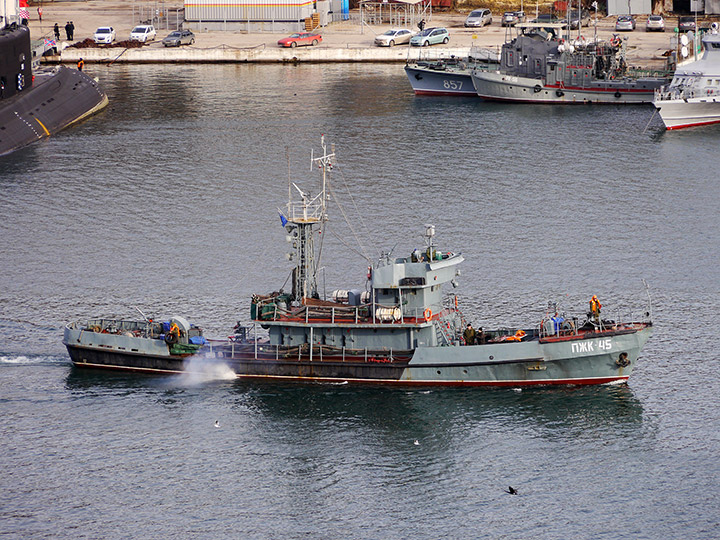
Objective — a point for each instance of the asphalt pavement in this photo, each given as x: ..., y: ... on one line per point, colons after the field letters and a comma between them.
x: 644, y: 49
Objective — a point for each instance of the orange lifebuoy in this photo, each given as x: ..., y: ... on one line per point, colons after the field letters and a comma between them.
x: 427, y: 314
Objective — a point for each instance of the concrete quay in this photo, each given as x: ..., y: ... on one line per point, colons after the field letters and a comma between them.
x: 259, y: 54
x: 342, y: 41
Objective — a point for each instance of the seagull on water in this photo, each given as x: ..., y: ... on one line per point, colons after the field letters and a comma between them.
x: 416, y: 443
x: 217, y: 423
x: 511, y: 490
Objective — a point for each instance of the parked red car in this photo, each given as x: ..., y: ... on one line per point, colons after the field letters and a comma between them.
x: 299, y: 39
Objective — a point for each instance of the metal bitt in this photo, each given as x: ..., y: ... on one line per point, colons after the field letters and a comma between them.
x: 302, y: 217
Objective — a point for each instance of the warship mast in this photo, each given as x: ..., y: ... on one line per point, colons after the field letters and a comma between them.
x: 301, y: 218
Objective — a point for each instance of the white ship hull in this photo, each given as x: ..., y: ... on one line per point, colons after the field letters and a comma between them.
x: 681, y: 113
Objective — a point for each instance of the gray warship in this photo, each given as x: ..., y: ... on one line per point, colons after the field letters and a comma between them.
x: 449, y: 76
x: 691, y: 99
x: 35, y: 104
x: 399, y: 329
x: 539, y: 66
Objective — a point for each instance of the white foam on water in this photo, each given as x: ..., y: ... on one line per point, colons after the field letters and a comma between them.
x: 616, y: 382
x: 15, y: 360
x: 23, y: 360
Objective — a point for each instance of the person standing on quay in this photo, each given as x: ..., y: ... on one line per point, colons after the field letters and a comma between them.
x: 40, y: 13
x: 81, y: 64
x: 72, y: 31
x: 56, y: 30
x: 67, y: 30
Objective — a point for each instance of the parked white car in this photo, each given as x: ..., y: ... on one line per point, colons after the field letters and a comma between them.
x: 655, y: 22
x: 394, y: 36
x: 104, y: 34
x: 143, y: 33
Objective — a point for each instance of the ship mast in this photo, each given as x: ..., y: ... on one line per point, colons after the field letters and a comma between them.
x: 301, y: 219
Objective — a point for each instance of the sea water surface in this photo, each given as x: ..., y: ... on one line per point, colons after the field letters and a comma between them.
x: 168, y: 201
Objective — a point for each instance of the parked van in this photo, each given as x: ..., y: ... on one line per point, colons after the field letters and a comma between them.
x: 143, y: 33
x: 478, y: 18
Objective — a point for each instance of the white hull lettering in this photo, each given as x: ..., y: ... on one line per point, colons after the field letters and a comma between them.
x: 452, y: 85
x: 589, y: 346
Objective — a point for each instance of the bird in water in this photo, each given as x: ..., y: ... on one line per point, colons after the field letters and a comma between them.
x: 511, y: 490
x: 217, y: 423
x: 416, y: 443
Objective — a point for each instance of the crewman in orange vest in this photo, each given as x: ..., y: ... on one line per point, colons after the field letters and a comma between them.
x: 595, y: 307
x: 81, y: 64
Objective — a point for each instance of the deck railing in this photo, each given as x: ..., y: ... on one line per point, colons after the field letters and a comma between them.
x: 365, y: 313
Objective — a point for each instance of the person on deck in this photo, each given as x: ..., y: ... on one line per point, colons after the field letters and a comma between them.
x: 469, y: 335
x: 80, y: 64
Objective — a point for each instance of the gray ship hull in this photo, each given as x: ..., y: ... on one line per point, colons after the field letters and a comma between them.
x: 558, y: 361
x: 58, y: 98
x: 495, y: 86
x: 448, y: 82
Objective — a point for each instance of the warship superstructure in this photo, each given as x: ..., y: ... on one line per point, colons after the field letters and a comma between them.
x: 539, y: 66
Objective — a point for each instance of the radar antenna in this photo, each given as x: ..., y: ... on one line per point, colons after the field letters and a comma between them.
x: 300, y: 220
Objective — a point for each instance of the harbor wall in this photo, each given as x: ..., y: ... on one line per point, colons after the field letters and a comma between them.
x: 260, y: 54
